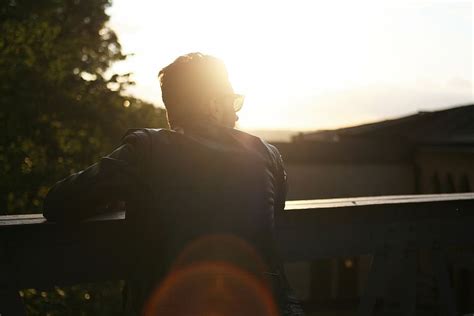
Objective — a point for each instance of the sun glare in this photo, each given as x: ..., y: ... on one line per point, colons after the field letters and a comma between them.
x: 282, y: 55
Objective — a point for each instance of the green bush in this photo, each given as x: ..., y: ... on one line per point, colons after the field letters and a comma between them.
x: 59, y: 112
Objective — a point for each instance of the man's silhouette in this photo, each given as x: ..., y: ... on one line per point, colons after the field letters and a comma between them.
x: 201, y: 201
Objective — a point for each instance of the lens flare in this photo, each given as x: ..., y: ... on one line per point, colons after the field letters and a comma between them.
x: 211, y: 288
x: 218, y: 274
x: 222, y: 248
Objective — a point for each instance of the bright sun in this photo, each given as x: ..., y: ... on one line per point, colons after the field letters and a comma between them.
x: 296, y: 61
x: 278, y: 54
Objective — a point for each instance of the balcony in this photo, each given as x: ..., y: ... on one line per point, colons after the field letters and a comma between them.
x: 391, y: 229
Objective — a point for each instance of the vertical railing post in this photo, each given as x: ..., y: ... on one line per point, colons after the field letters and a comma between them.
x: 446, y: 293
x: 11, y: 304
x: 376, y: 282
x: 397, y: 253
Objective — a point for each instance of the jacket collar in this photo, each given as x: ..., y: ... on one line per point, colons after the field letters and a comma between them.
x: 201, y: 128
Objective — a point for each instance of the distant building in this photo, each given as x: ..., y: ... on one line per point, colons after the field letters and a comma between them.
x: 428, y: 152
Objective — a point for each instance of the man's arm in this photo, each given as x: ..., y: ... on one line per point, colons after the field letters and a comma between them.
x: 281, y: 178
x: 82, y: 194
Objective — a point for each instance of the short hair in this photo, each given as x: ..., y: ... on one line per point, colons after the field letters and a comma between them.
x: 186, y: 80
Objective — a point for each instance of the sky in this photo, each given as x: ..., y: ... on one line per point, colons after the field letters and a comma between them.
x: 309, y: 65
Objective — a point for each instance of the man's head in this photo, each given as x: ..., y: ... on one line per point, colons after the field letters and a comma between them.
x: 196, y: 88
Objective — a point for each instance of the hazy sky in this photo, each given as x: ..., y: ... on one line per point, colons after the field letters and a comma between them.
x: 309, y: 64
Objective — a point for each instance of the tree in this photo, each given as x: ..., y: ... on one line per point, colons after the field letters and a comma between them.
x: 59, y: 110
x: 59, y: 113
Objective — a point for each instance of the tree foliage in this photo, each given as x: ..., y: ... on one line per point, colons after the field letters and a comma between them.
x: 59, y: 110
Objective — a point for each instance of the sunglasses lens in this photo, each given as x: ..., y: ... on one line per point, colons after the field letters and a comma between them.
x: 238, y: 102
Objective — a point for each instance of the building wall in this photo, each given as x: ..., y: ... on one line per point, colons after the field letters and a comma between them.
x: 313, y: 181
x: 433, y: 170
x: 445, y: 170
x: 449, y: 170
x: 334, y: 278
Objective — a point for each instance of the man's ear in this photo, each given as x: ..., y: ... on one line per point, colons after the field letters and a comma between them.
x: 215, y: 111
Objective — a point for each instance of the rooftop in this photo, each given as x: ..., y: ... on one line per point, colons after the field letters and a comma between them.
x: 450, y: 126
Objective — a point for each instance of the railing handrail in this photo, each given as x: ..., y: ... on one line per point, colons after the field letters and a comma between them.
x: 313, y: 204
x: 96, y: 249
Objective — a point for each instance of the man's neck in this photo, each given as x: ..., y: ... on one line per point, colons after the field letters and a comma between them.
x: 197, y: 125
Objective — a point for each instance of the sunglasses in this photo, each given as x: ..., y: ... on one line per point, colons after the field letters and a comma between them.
x: 237, y: 100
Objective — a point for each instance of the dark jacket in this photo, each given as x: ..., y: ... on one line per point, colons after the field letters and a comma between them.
x: 179, y: 187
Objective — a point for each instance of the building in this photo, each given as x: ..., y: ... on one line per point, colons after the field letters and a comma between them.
x: 427, y: 152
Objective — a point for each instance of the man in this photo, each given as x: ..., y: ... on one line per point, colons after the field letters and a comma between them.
x: 201, y: 196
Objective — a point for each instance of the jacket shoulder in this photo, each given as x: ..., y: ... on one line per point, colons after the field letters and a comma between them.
x: 146, y: 136
x: 260, y: 145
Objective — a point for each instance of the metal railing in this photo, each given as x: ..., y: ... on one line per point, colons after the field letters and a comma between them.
x: 390, y: 228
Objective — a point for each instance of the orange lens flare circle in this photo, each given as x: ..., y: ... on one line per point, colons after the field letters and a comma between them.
x: 211, y: 288
x: 222, y: 248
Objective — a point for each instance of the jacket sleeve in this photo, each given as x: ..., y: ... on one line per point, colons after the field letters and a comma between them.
x: 85, y: 194
x: 281, y: 181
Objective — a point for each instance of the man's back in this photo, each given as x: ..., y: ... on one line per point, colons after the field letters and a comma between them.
x: 184, y: 187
